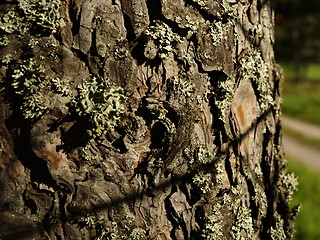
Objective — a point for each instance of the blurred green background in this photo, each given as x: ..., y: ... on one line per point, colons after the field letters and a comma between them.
x: 297, y: 50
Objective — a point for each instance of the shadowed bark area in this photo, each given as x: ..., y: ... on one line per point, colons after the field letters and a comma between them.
x: 140, y: 119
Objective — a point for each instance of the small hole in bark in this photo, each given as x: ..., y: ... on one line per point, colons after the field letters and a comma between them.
x: 158, y: 133
x: 119, y: 144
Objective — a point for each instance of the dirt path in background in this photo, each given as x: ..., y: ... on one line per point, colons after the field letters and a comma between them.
x: 296, y: 149
x: 310, y: 130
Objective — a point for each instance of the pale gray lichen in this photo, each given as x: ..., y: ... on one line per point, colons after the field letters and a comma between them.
x: 41, y: 13
x: 223, y: 96
x: 242, y: 228
x: 288, y: 182
x: 213, y: 225
x: 109, y: 233
x: 33, y: 42
x: 216, y: 31
x: 12, y: 22
x: 61, y: 86
x: 277, y: 231
x: 164, y: 38
x: 238, y: 188
x: 226, y: 199
x: 102, y: 103
x: 137, y: 234
x: 32, y: 14
x: 87, y: 221
x: 36, y: 90
x: 220, y: 172
x: 109, y: 230
x: 7, y: 58
x: 183, y: 87
x: 256, y: 31
x: 29, y: 82
x: 228, y: 9
x: 203, y: 155
x: 121, y: 54
x: 192, y: 24
x: 4, y: 40
x: 261, y: 198
x: 203, y: 181
x: 254, y: 68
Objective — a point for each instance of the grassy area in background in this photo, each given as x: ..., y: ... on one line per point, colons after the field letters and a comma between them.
x: 302, y: 100
x: 312, y: 71
x: 307, y: 223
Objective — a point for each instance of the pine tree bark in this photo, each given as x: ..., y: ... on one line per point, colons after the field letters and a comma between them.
x: 139, y: 119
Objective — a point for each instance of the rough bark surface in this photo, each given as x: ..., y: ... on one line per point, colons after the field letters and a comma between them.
x: 140, y: 119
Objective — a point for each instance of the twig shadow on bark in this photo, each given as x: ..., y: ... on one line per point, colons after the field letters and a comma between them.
x: 25, y: 231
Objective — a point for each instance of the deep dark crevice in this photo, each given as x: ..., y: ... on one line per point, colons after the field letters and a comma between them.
x: 269, y: 186
x: 215, y: 78
x: 137, y: 51
x: 144, y: 112
x: 74, y: 19
x: 39, y: 171
x: 261, y: 4
x: 158, y: 135
x: 30, y: 204
x: 128, y: 26
x: 78, y: 53
x: 172, y: 114
x: 154, y: 10
x: 119, y: 144
x: 200, y: 220
x: 75, y: 136
x: 228, y: 168
x: 93, y: 49
x: 253, y: 206
x: 171, y: 213
x: 62, y: 206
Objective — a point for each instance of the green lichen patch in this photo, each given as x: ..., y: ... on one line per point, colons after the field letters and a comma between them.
x: 102, y: 104
x: 216, y: 31
x: 242, y: 227
x: 4, y: 41
x: 41, y: 13
x: 260, y: 198
x: 223, y: 96
x: 32, y: 14
x: 213, y: 226
x: 203, y: 181
x: 164, y: 38
x: 36, y: 91
x: 12, y: 22
x: 288, y: 182
x: 137, y: 234
x: 183, y: 87
x: 29, y: 82
x: 277, y: 231
x: 104, y: 230
x: 254, y: 68
x: 61, y: 87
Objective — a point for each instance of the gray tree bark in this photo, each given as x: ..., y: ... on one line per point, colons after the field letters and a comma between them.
x: 140, y: 119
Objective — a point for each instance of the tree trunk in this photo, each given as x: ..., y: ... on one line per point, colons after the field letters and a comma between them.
x: 140, y: 119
